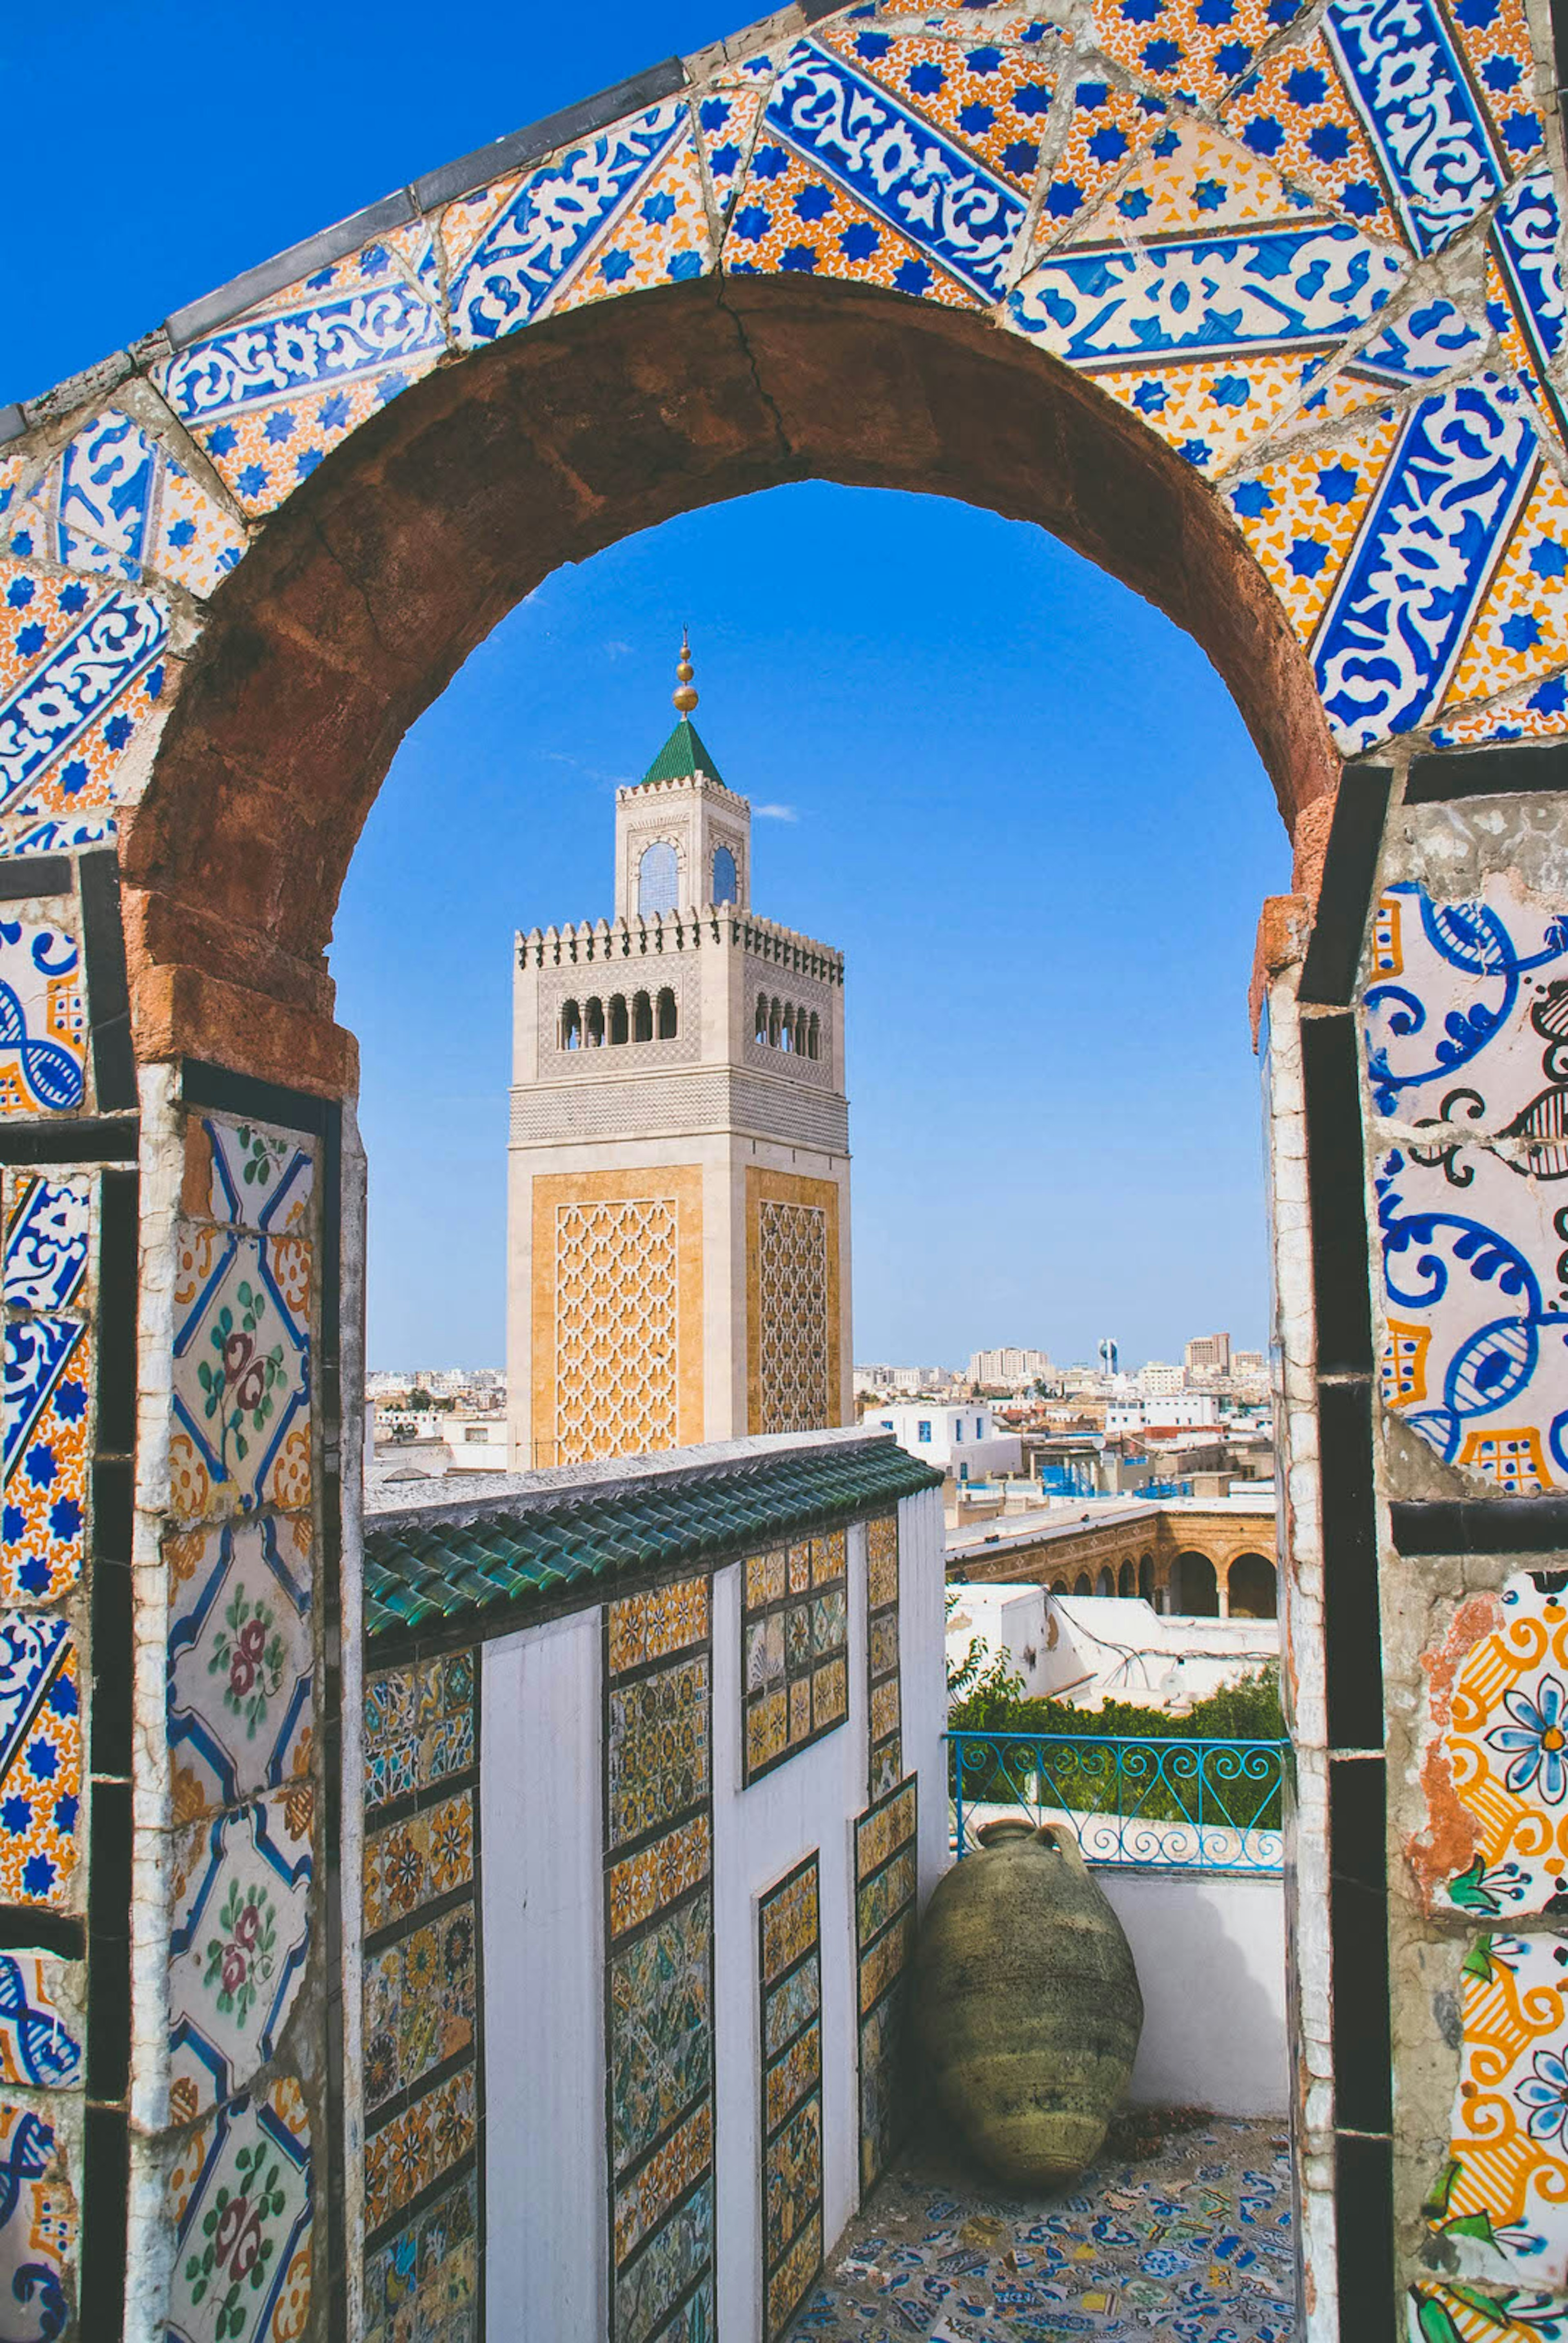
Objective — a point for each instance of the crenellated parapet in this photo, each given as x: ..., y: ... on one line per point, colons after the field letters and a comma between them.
x: 601, y: 942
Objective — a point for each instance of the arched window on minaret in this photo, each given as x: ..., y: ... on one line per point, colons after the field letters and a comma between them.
x: 571, y: 1026
x: 666, y: 1014
x: 761, y: 1027
x: 595, y: 1024
x: 725, y: 888
x: 617, y: 1025
x: 641, y: 1018
x: 657, y: 878
x: 814, y: 1036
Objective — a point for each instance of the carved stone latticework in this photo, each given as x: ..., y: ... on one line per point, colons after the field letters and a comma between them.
x: 616, y: 1329
x: 792, y: 1274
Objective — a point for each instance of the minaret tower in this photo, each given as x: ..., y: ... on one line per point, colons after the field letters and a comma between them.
x: 679, y: 1168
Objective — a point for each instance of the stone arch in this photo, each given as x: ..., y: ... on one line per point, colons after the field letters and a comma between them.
x: 1105, y: 1580
x: 1252, y: 1587
x: 641, y: 1017
x: 1127, y: 1579
x: 1146, y: 1576
x: 1194, y: 1586
x: 1080, y: 1584
x: 618, y: 1025
x: 658, y: 878
x: 665, y: 1015
x: 571, y: 1029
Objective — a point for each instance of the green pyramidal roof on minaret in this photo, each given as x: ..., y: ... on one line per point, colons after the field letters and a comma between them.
x: 682, y: 755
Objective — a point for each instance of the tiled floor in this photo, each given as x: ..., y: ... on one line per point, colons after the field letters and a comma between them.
x: 1190, y: 2237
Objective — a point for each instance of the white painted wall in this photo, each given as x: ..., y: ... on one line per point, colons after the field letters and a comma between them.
x: 542, y: 1887
x: 1209, y: 1950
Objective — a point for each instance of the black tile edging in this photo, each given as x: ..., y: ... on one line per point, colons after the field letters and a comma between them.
x: 1363, y: 2243
x: 1350, y: 869
x: 1515, y: 768
x: 1358, y: 1929
x: 105, y: 2212
x: 1341, y: 1273
x: 1480, y: 1526
x: 1353, y: 1626
x: 540, y: 139
x: 33, y: 874
x: 89, y: 1139
x: 108, y: 995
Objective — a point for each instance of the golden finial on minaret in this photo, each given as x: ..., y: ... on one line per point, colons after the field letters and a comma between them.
x: 684, y: 697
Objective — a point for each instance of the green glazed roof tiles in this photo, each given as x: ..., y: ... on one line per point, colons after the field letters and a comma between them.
x: 422, y: 1573
x: 682, y: 755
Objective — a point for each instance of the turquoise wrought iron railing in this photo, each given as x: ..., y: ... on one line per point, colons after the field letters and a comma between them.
x: 1171, y: 1804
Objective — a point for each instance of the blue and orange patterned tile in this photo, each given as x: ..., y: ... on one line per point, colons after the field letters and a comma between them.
x: 1442, y: 154
x: 241, y: 1372
x: 239, y: 2205
x: 1295, y: 112
x: 241, y: 1703
x: 516, y: 248
x: 81, y: 671
x: 42, y: 2021
x: 1444, y: 2312
x: 727, y: 113
x: 266, y: 397
x: 1108, y: 124
x: 43, y: 1019
x: 1494, y: 36
x: 412, y: 1863
x: 40, y: 2221
x: 887, y: 196
x: 1525, y: 303
x: 239, y: 1939
x: 423, y: 2280
x: 991, y: 98
x: 425, y: 2140
x: 117, y: 502
x: 1538, y: 715
x: 47, y: 1397
x: 40, y: 1758
x: 1193, y: 48
x: 420, y: 2004
x: 1520, y: 633
x: 46, y: 1220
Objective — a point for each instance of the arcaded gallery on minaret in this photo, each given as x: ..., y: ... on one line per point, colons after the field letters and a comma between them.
x: 679, y: 1180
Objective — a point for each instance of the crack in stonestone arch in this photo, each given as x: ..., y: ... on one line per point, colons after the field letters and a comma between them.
x: 364, y: 593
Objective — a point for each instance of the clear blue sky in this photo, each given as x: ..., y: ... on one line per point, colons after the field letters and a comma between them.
x: 1018, y: 799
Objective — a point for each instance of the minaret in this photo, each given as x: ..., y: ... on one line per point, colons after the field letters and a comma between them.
x: 679, y: 1187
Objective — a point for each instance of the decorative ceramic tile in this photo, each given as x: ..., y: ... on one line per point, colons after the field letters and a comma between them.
x: 1459, y: 2314
x: 727, y: 118
x: 267, y: 396
x: 514, y: 248
x: 1294, y: 111
x: 420, y: 2004
x: 642, y: 1884
x: 661, y: 238
x: 80, y: 671
x: 1301, y: 513
x: 240, y: 2208
x: 410, y: 1863
x: 43, y: 1019
x: 789, y: 1977
x: 417, y: 2146
x: 1537, y: 716
x: 1495, y: 1779
x: 1186, y: 45
x: 1495, y: 36
x: 650, y: 1626
x: 47, y: 1389
x: 248, y: 1175
x: 662, y: 2026
x: 46, y: 1219
x: 241, y: 1372
x: 1107, y: 126
x: 885, y: 1740
x: 794, y: 1643
x: 240, y: 1937
x: 1520, y: 630
x: 677, y: 2261
x: 990, y: 97
x: 240, y: 1706
x: 658, y: 1753
x: 1427, y: 339
x: 116, y: 502
x: 1471, y: 1299
x: 41, y: 2021
x: 885, y: 1840
x: 648, y: 2200
x: 1524, y: 301
x: 40, y: 1757
x: 855, y: 138
x: 794, y: 218
x: 39, y: 2226
x: 1499, y: 2204
x: 423, y: 2280
x: 1406, y: 77
x: 418, y: 1726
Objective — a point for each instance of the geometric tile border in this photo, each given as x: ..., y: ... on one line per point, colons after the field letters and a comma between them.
x: 789, y: 1967
x: 794, y: 1649
x: 885, y: 1888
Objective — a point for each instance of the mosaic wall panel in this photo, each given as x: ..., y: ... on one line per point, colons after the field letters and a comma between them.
x: 789, y: 1969
x: 794, y: 1649
x: 617, y: 1314
x: 1496, y: 1784
x: 1466, y: 1050
x: 1500, y: 2205
x: 659, y: 1987
x: 421, y: 1995
x: 885, y: 1890
x: 885, y: 1719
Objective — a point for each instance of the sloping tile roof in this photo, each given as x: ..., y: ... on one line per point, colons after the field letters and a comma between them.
x: 496, y: 1568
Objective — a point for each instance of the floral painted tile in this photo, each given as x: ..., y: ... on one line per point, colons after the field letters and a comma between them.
x: 81, y: 671
x: 661, y: 238
x: 47, y: 1390
x: 40, y: 2223
x: 248, y: 1175
x: 241, y: 1707
x: 412, y: 1863
x: 116, y: 502
x: 43, y: 1019
x: 242, y: 1373
x: 45, y: 1254
x: 240, y: 2208
x: 266, y: 397
x: 1524, y: 296
x: 1443, y: 2313
x: 240, y: 1935
x: 1495, y: 36
x: 1500, y: 2203
x: 514, y: 248
x: 1499, y: 1756
x: 40, y: 1757
x: 419, y: 2145
x: 418, y: 1726
x: 423, y: 2280
x: 420, y: 2004
x: 42, y: 2021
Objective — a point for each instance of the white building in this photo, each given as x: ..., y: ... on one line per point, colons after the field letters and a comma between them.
x: 960, y: 1439
x: 1010, y: 1366
x: 1160, y: 1380
x: 1181, y: 1411
x: 1092, y: 1648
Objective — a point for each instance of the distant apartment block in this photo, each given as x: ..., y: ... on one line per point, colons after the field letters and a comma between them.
x: 1209, y: 1354
x: 1009, y: 1366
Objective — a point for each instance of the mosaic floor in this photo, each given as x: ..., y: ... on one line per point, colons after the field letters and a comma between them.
x: 1189, y: 2235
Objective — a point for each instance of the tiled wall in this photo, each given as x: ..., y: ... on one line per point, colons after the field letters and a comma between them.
x: 886, y: 1882
x: 423, y: 2075
x: 658, y: 1962
x: 789, y: 1969
x: 795, y: 1647
x: 884, y: 1700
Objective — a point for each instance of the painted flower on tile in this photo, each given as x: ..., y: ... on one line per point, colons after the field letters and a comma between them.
x: 1536, y: 1734
x: 239, y: 1958
x: 1545, y: 2092
x: 242, y: 1369
x: 242, y: 2203
x: 1499, y: 2203
x: 249, y: 1651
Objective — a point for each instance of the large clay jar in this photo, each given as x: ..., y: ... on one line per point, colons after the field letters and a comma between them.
x: 1026, y: 2005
